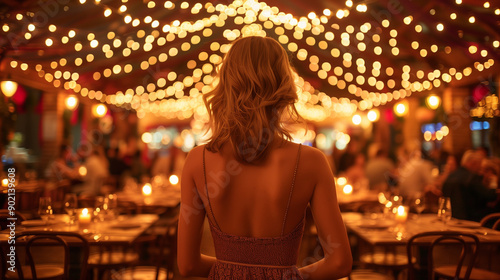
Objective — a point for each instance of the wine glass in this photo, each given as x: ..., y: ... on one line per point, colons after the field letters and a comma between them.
x: 110, y: 204
x: 418, y: 203
x: 70, y: 205
x: 45, y: 209
x: 444, y: 212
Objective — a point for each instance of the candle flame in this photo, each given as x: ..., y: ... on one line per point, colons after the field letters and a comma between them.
x: 85, y: 211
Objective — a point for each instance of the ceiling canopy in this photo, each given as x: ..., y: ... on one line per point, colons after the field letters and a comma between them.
x: 159, y: 56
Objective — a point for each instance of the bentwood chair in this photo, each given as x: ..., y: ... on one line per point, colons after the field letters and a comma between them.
x: 43, y: 243
x: 463, y: 267
x: 492, y: 220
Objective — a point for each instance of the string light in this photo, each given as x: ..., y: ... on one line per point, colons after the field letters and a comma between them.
x: 310, y: 29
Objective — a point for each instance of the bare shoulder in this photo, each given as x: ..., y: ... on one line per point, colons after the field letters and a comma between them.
x: 313, y: 157
x: 194, y: 159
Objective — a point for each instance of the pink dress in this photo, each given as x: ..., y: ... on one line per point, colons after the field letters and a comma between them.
x: 255, y: 258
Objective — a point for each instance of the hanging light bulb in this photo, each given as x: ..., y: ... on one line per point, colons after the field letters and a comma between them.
x: 8, y: 88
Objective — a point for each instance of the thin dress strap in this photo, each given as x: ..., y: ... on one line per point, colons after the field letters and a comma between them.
x: 291, y: 190
x: 206, y: 190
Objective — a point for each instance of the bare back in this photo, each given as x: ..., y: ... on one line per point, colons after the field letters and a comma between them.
x: 251, y: 200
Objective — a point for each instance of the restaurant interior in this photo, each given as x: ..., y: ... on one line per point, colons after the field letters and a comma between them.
x: 102, y: 100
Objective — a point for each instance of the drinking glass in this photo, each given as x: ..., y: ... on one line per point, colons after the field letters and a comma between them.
x: 110, y: 205
x: 45, y: 209
x: 444, y: 212
x: 418, y: 204
x: 70, y: 205
x: 99, y: 210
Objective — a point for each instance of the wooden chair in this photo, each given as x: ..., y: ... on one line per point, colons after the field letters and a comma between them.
x: 49, y: 271
x: 491, y: 219
x: 464, y: 266
x: 165, y: 254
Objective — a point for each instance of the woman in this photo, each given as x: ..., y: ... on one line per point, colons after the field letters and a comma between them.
x: 254, y: 185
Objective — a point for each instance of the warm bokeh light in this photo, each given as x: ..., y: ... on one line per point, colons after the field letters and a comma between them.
x: 146, y: 189
x: 433, y: 101
x: 347, y: 189
x: 173, y: 179
x: 99, y: 110
x: 401, y: 109
x: 5, y: 182
x: 71, y: 102
x: 8, y: 88
x: 147, y: 137
x: 356, y: 119
x: 82, y: 171
x: 341, y: 181
x: 373, y: 115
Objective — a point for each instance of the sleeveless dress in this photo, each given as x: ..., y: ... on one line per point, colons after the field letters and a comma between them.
x: 255, y: 258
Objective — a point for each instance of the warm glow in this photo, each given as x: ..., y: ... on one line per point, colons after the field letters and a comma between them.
x: 82, y: 170
x: 341, y: 181
x: 427, y: 136
x: 5, y: 182
x: 8, y: 88
x: 85, y: 212
x: 147, y: 137
x: 347, y: 189
x: 71, y: 102
x: 99, y: 110
x: 356, y: 119
x: 400, y: 109
x: 445, y: 130
x: 147, y: 190
x: 433, y: 101
x: 173, y: 179
x: 373, y: 115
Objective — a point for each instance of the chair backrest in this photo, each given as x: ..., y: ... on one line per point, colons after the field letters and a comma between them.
x: 64, y: 239
x: 491, y: 219
x: 433, y: 238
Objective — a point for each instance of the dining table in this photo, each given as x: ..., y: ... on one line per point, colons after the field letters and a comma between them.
x: 382, y: 239
x: 378, y: 229
x: 123, y: 229
x: 166, y: 198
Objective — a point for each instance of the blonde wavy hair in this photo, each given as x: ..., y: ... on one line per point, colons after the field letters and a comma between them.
x: 255, y: 93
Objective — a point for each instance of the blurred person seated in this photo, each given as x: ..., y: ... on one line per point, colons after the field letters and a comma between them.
x: 469, y: 196
x: 355, y: 173
x: 61, y: 168
x: 490, y: 170
x: 116, y: 166
x: 95, y: 172
x: 376, y: 169
x: 161, y: 164
x: 415, y: 176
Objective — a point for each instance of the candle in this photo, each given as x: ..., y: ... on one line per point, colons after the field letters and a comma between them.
x: 401, y: 214
x: 146, y: 190
x: 84, y: 218
x: 5, y: 183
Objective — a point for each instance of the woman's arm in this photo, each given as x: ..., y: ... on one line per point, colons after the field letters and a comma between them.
x: 337, y: 261
x: 191, y: 219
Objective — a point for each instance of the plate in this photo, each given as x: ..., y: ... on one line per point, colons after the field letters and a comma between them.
x: 464, y: 224
x: 33, y: 223
x: 125, y: 226
x: 376, y: 224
